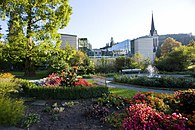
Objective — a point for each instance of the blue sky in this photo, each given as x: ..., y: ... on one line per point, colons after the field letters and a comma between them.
x: 99, y: 20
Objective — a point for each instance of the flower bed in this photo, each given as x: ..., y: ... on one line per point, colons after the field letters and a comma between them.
x: 152, y: 111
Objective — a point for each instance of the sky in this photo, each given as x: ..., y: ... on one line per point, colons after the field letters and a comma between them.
x: 99, y: 20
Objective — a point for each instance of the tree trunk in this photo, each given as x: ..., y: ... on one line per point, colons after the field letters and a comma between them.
x: 29, y: 68
x: 29, y: 64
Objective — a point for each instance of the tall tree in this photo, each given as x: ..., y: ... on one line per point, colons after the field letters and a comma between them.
x: 179, y: 59
x: 33, y: 26
x: 168, y: 45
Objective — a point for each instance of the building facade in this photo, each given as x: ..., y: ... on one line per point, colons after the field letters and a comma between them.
x: 147, y: 45
x: 69, y: 39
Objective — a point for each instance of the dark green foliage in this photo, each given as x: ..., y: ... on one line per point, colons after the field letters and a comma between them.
x: 193, y: 74
x: 185, y: 100
x: 97, y: 111
x: 122, y: 63
x: 179, y: 59
x: 164, y: 82
x: 11, y: 111
x: 29, y: 120
x: 113, y: 101
x: 105, y: 65
x: 41, y: 92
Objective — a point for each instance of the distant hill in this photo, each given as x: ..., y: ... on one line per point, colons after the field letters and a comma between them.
x: 183, y: 38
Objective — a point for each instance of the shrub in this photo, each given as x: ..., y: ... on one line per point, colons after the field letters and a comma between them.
x: 143, y: 117
x: 11, y: 111
x: 191, y: 120
x: 41, y: 92
x: 116, y: 119
x: 185, y: 100
x: 113, y: 101
x: 7, y: 85
x: 82, y: 82
x: 7, y: 75
x: 53, y: 80
x: 165, y: 81
x: 98, y: 111
x: 151, y: 100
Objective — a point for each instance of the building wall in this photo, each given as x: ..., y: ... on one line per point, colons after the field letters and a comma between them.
x: 71, y: 39
x: 145, y: 47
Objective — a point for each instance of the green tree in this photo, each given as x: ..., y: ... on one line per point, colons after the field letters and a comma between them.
x: 1, y: 48
x: 168, y: 45
x: 179, y: 59
x: 69, y: 53
x: 32, y: 25
x: 138, y: 61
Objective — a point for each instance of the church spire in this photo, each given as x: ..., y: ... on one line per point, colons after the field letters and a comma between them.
x: 153, y: 31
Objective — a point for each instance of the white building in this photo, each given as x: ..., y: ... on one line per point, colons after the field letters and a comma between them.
x: 147, y: 45
x: 70, y: 39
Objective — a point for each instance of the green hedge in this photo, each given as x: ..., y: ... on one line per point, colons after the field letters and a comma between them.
x: 41, y: 92
x: 164, y: 82
x: 65, y: 93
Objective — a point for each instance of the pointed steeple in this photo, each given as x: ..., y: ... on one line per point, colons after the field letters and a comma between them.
x: 153, y: 31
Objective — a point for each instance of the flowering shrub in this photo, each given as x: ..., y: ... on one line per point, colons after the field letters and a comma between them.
x: 53, y: 80
x: 174, y: 122
x: 143, y: 117
x: 191, y: 119
x: 69, y: 76
x: 83, y: 82
x: 7, y: 75
x: 185, y: 100
x: 151, y: 100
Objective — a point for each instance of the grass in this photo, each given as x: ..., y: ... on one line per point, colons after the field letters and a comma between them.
x: 39, y: 75
x: 123, y: 92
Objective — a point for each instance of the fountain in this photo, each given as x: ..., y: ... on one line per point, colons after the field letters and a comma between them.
x: 153, y: 71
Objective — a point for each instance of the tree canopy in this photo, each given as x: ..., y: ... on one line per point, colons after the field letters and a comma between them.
x: 179, y: 59
x: 168, y: 45
x: 33, y: 26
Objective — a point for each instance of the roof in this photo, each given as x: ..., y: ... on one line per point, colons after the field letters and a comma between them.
x: 69, y: 35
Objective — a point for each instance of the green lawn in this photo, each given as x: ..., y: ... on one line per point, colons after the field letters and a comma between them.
x: 39, y: 75
x: 123, y: 92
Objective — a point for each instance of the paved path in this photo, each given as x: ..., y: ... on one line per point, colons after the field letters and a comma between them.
x: 108, y: 83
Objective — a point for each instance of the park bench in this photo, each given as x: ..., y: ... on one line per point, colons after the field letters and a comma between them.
x: 131, y: 70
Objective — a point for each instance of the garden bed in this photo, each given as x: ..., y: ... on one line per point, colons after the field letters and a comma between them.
x: 72, y: 118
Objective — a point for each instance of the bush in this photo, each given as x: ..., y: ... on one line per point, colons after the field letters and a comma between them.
x: 151, y: 100
x: 185, y: 100
x: 41, y: 92
x: 7, y: 86
x: 7, y: 75
x: 165, y: 81
x: 113, y: 101
x: 11, y: 111
x: 143, y: 117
